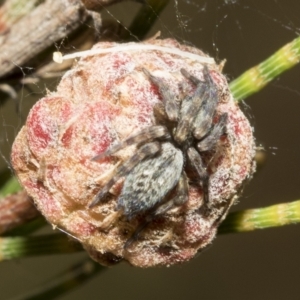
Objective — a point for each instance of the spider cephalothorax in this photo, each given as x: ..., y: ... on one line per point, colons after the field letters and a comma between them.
x: 184, y: 129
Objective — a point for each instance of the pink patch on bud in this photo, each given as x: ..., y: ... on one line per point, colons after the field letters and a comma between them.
x: 41, y: 128
x: 47, y: 202
x: 79, y: 227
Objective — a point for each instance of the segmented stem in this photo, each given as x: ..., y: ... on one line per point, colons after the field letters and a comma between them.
x: 16, y: 247
x: 261, y: 218
x: 27, y: 228
x: 257, y: 77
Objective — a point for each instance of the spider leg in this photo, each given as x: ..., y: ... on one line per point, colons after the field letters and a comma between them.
x: 190, y: 77
x: 191, y: 106
x: 147, y: 134
x: 202, y: 124
x: 208, y: 142
x: 182, y: 191
x: 160, y: 114
x: 145, y: 151
x: 180, y: 198
x: 198, y: 164
x: 171, y: 106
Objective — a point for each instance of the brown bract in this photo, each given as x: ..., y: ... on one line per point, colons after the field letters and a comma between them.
x: 101, y: 101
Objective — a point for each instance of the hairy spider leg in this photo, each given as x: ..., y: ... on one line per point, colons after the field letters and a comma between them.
x: 147, y: 134
x: 145, y: 151
x: 170, y: 105
x: 198, y: 164
x: 215, y: 134
x: 204, y: 118
x: 190, y: 107
x: 192, y: 78
x: 182, y: 191
x: 160, y: 115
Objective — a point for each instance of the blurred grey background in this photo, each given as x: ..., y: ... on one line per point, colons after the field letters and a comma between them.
x: 259, y: 265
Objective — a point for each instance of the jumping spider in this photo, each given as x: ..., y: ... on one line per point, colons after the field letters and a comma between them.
x: 164, y: 151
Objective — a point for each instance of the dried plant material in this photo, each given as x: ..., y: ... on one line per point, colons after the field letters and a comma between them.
x: 16, y: 210
x: 46, y: 24
x: 114, y: 95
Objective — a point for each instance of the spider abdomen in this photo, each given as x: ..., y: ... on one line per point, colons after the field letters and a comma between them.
x: 150, y: 181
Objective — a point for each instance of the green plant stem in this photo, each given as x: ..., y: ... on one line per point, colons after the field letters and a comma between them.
x: 16, y: 247
x: 242, y: 221
x: 27, y: 228
x: 261, y: 218
x: 259, y: 76
x: 68, y: 280
x: 9, y: 187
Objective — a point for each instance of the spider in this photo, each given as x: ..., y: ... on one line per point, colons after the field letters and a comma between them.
x: 166, y: 150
